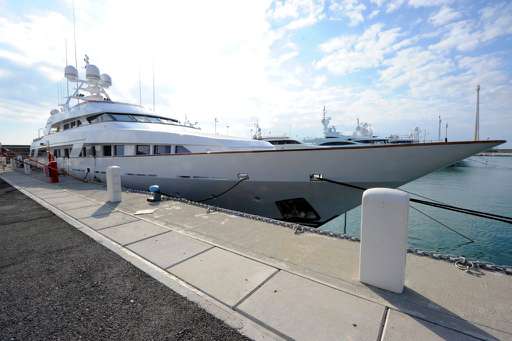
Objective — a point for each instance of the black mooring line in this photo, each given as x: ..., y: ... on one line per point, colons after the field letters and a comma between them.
x: 452, y: 208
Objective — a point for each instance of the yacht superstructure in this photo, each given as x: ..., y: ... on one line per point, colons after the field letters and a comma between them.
x: 363, y: 134
x: 236, y: 173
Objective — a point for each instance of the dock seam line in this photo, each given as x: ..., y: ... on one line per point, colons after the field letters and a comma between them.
x: 383, y: 323
x: 104, y: 228
x: 265, y: 325
x: 167, y: 268
x: 460, y: 331
x: 235, y: 307
x: 140, y: 240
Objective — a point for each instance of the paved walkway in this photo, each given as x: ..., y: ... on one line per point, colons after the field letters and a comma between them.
x: 56, y: 283
x: 293, y: 286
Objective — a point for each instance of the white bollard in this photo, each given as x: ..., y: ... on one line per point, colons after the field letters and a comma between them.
x: 28, y: 169
x: 384, y: 220
x: 114, y: 183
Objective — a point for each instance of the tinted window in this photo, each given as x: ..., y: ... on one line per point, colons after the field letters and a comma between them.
x: 161, y: 150
x: 142, y: 149
x: 100, y: 118
x: 66, y: 126
x: 119, y: 150
x: 336, y: 143
x: 143, y: 119
x: 123, y: 118
x: 107, y: 150
x: 182, y: 150
x: 66, y: 152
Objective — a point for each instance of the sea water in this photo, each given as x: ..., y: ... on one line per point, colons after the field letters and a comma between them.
x: 479, y: 183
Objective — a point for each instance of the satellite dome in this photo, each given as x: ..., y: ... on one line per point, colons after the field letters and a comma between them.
x: 106, y: 81
x: 71, y: 73
x: 92, y: 73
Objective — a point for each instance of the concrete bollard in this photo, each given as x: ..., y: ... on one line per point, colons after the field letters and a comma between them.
x: 384, y: 220
x: 28, y: 169
x: 114, y: 183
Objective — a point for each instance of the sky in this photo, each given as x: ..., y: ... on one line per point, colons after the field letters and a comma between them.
x: 396, y: 64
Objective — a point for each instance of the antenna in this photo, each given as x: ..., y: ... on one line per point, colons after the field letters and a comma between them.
x: 446, y: 133
x: 74, y: 41
x: 153, y: 86
x: 140, y: 88
x: 67, y: 81
x: 477, y: 118
x: 439, y: 129
x: 215, y: 120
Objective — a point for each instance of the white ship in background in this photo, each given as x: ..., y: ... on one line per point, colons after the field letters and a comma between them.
x: 363, y: 134
x: 236, y: 173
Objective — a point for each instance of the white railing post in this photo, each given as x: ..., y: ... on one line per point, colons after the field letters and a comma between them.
x: 113, y: 184
x: 384, y: 220
x: 26, y: 166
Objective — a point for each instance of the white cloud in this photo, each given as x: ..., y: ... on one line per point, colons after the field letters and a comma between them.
x: 346, y: 54
x: 445, y: 15
x: 373, y: 14
x: 37, y: 40
x: 351, y: 9
x: 297, y: 13
x: 378, y: 3
x: 393, y: 5
x: 417, y: 69
x: 428, y: 3
x: 466, y: 35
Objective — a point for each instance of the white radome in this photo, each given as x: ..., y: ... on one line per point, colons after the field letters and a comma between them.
x: 92, y: 73
x: 71, y: 73
x: 106, y: 81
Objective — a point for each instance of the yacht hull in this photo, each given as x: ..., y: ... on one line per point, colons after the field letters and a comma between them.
x: 281, y: 176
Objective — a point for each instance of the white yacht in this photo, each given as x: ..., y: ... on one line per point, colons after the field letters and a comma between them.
x: 236, y: 173
x: 363, y: 134
x: 280, y: 142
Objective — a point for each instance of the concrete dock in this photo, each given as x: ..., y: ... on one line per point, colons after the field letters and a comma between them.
x: 56, y: 283
x: 270, y: 283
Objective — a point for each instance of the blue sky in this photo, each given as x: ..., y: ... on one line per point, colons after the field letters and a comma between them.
x: 396, y: 64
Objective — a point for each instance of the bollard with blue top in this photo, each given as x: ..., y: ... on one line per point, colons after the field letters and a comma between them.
x: 155, y: 194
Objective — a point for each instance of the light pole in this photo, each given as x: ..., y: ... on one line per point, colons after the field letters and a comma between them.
x: 439, y: 129
x: 477, y: 118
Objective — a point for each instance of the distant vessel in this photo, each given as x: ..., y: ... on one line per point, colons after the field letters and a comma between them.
x: 280, y: 142
x: 363, y: 134
x: 236, y: 173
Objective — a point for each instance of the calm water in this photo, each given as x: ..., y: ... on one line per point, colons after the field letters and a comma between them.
x: 485, y: 184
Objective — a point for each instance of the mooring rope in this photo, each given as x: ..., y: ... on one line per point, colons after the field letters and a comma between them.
x: 487, y: 215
